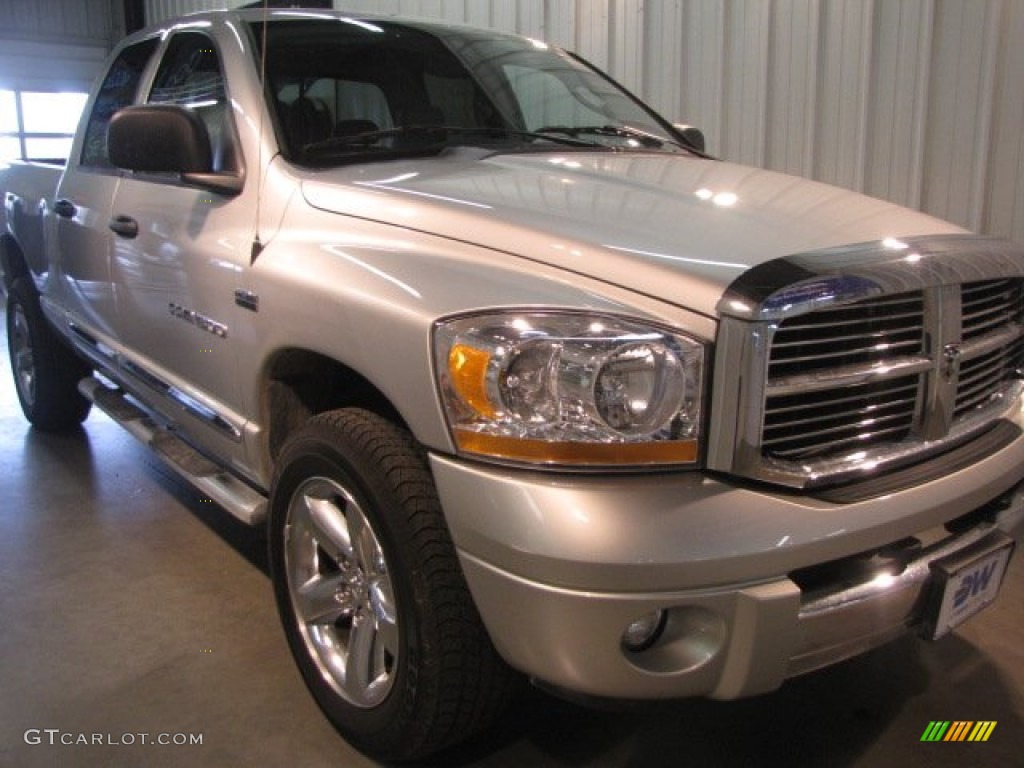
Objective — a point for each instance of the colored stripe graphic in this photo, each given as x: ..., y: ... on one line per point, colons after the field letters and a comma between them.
x: 982, y: 730
x: 935, y: 731
x: 958, y: 731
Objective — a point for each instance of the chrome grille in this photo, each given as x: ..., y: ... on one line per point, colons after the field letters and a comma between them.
x: 983, y: 379
x: 868, y: 336
x: 861, y: 333
x: 843, y: 363
x: 988, y: 306
x: 819, y: 424
x: 858, y: 336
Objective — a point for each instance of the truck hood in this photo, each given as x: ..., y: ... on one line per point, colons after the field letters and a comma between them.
x: 673, y: 227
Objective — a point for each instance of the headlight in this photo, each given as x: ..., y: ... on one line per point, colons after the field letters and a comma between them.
x: 570, y: 389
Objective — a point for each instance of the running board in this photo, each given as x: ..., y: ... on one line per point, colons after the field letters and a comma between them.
x: 226, y: 490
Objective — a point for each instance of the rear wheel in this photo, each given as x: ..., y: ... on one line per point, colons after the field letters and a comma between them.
x: 46, y: 372
x: 370, y: 593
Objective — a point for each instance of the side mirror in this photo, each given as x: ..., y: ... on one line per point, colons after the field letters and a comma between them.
x: 163, y: 138
x: 691, y: 135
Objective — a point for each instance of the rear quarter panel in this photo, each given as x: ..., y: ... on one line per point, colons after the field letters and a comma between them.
x: 28, y: 191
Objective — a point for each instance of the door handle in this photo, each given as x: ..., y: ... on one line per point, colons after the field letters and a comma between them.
x: 65, y: 209
x: 125, y: 226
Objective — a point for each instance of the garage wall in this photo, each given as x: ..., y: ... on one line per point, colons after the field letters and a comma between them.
x: 918, y: 101
x: 55, y: 45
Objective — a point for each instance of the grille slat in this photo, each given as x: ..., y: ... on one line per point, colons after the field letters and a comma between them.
x: 970, y: 404
x: 864, y: 426
x: 804, y: 426
x: 913, y: 332
x: 889, y: 348
x: 837, y: 402
x: 839, y: 323
x: 973, y: 315
x: 989, y: 305
x: 983, y: 322
x: 861, y: 333
x: 984, y: 378
x: 811, y: 417
x: 839, y: 446
x: 983, y: 368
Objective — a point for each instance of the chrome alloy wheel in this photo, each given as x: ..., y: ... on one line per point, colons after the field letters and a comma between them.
x: 341, y: 592
x: 22, y: 356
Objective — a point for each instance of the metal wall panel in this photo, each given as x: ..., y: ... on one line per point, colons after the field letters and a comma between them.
x: 55, y: 45
x: 961, y: 102
x: 1004, y: 204
x: 844, y: 74
x: 792, y: 72
x: 745, y: 80
x: 80, y: 22
x: 899, y: 111
x: 915, y: 101
x: 29, y: 66
x: 159, y: 10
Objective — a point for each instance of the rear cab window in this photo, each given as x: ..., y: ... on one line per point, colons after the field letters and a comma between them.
x: 118, y: 90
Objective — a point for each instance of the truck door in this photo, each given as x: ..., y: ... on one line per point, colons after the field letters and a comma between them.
x: 180, y: 255
x: 83, y: 204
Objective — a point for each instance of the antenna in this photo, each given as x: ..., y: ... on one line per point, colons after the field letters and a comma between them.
x: 257, y: 245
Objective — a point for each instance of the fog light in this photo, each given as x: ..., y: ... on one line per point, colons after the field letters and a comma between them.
x: 644, y: 632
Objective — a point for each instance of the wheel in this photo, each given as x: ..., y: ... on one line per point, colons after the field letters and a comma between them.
x: 371, y: 596
x: 46, y: 372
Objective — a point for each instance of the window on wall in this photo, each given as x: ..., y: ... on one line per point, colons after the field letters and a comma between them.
x: 38, y: 125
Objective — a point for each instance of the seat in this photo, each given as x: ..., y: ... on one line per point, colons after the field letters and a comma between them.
x: 308, y: 121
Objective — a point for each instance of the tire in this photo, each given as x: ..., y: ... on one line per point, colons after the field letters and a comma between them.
x: 371, y: 596
x: 46, y: 372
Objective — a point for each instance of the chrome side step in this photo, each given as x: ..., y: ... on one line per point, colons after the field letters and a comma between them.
x: 236, y: 497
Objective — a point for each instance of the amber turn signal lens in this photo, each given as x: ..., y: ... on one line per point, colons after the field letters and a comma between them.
x: 467, y: 367
x: 578, y: 453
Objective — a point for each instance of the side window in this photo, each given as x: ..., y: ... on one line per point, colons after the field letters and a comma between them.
x: 117, y: 90
x: 190, y: 76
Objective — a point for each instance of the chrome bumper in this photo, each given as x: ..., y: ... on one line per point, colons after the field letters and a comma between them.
x: 844, y: 622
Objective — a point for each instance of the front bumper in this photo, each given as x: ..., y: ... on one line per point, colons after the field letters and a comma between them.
x: 753, y: 581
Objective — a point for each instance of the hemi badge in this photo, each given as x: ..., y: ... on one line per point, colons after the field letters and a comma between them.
x: 247, y: 300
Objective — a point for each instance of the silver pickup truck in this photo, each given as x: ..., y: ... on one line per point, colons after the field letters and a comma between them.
x: 521, y: 382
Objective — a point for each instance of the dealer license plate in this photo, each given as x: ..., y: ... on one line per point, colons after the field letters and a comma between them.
x: 966, y: 583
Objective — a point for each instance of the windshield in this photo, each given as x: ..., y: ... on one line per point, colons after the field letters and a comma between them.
x: 348, y: 90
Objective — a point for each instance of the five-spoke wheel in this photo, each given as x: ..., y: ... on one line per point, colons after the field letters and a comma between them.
x: 341, y: 591
x: 371, y: 595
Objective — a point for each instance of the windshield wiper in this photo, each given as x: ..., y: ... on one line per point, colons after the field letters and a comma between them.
x: 618, y: 131
x: 439, y: 132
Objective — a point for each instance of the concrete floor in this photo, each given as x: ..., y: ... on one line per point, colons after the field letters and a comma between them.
x: 130, y: 605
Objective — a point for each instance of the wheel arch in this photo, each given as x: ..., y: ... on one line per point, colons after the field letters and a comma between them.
x: 12, y: 260
x: 298, y: 384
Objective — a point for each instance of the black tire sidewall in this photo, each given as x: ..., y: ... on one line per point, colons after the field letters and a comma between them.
x: 57, y: 405
x: 313, y: 455
x: 16, y: 297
